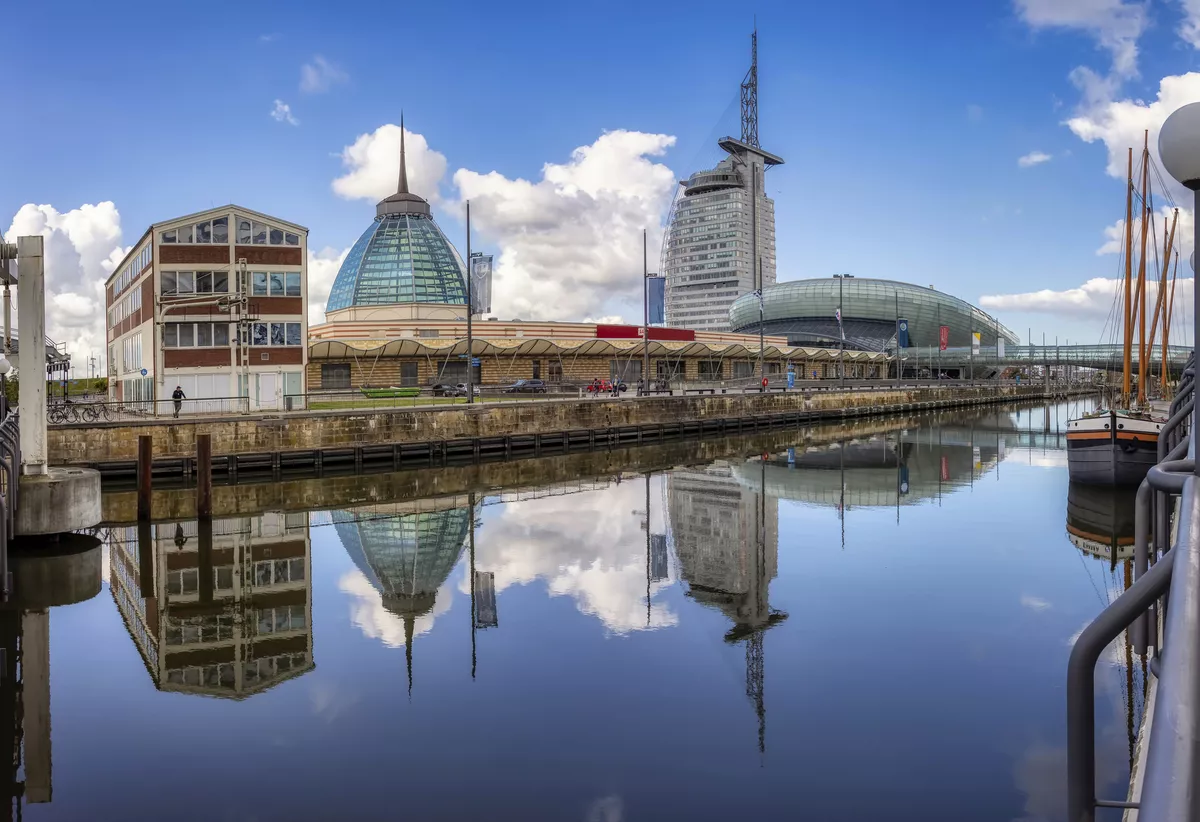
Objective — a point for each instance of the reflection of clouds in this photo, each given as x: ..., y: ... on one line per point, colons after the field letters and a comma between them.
x: 370, y: 616
x: 105, y: 563
x: 329, y: 701
x: 1035, y: 604
x: 606, y: 809
x: 589, y: 546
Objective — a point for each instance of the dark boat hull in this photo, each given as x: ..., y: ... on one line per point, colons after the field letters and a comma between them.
x: 1111, y: 449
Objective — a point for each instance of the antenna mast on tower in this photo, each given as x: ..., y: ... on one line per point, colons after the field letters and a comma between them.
x: 750, y: 96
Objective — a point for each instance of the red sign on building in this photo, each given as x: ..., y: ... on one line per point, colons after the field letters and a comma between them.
x: 943, y: 337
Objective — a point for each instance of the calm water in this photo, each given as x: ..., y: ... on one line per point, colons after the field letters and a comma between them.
x: 876, y: 629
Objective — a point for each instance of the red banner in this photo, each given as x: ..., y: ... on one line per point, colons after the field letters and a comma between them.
x: 945, y: 466
x: 943, y: 337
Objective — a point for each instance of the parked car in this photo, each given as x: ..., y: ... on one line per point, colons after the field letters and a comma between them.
x: 527, y: 387
x: 605, y: 387
x: 445, y: 389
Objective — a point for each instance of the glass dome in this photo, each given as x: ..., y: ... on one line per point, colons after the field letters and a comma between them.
x: 400, y: 258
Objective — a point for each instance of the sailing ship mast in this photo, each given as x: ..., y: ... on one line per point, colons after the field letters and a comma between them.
x: 1128, y: 363
x: 1141, y: 295
x: 1160, y: 302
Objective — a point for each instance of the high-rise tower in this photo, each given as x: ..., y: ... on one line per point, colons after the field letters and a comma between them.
x: 721, y: 240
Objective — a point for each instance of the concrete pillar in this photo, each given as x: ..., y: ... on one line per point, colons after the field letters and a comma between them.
x: 35, y: 686
x: 31, y: 318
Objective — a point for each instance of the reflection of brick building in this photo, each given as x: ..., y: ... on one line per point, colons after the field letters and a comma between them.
x: 228, y: 615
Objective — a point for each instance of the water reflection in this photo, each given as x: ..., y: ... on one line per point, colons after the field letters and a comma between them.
x: 217, y: 607
x: 620, y: 591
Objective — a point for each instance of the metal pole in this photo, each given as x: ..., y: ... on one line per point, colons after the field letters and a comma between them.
x: 470, y: 312
x: 471, y: 506
x: 899, y: 362
x: 1196, y: 317
x: 841, y: 334
x: 762, y: 366
x: 645, y: 316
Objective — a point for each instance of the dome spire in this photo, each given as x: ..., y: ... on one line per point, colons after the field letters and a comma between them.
x: 402, y: 188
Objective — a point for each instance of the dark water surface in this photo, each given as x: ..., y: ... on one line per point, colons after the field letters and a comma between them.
x: 876, y: 629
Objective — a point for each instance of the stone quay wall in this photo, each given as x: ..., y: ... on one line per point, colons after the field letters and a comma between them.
x: 113, y: 442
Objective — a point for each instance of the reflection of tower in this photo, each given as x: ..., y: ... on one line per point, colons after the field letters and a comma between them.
x: 220, y: 607
x: 727, y: 540
x: 407, y: 558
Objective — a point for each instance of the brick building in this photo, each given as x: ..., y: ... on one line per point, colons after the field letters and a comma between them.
x: 213, y: 302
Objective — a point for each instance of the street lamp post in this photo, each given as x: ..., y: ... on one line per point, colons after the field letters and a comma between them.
x: 470, y: 311
x: 1179, y: 148
x: 645, y: 316
x: 5, y: 369
x: 841, y: 278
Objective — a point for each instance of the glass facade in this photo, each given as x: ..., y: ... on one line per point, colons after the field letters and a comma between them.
x: 709, y: 250
x: 400, y: 258
x: 806, y: 309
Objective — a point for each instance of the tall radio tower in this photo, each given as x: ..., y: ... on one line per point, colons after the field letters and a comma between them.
x: 750, y: 96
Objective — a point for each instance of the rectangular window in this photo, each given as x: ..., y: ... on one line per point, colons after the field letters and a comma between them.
x: 293, y: 283
x: 204, y: 282
x: 185, y: 234
x: 408, y: 373
x: 276, y: 236
x: 555, y: 371
x: 293, y: 334
x: 187, y: 336
x: 260, y: 233
x: 276, y: 284
x: 186, y: 282
x: 220, y: 230
x: 167, y: 282
x: 709, y: 369
x: 169, y: 236
x: 243, y: 231
x: 537, y: 369
x: 743, y: 369
x: 291, y: 239
x: 259, y: 283
x: 278, y: 334
x: 336, y: 375
x: 170, y: 335
x: 220, y: 334
x: 260, y: 334
x: 204, y: 335
x: 204, y: 232
x: 220, y: 282
x: 291, y: 383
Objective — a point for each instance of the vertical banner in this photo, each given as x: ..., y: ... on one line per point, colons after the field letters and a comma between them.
x: 943, y: 337
x: 659, y: 569
x: 902, y: 333
x: 999, y: 347
x: 945, y: 469
x: 903, y: 480
x: 975, y: 343
x: 481, y: 283
x: 658, y: 299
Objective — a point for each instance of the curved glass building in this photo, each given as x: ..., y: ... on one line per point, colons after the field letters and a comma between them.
x: 805, y: 311
x: 402, y: 257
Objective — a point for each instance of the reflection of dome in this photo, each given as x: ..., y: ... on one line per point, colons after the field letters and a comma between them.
x: 407, y: 558
x: 402, y: 257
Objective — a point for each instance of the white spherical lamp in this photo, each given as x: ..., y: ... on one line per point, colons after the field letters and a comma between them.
x: 1179, y: 145
x: 5, y: 366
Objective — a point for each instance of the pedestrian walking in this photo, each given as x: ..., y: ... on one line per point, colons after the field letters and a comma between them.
x: 178, y: 396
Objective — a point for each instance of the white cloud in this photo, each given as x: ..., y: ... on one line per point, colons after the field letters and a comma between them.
x: 1033, y: 158
x: 1189, y: 29
x: 602, y: 568
x: 322, y: 270
x: 320, y: 75
x: 372, y: 165
x: 269, y: 38
x: 82, y: 247
x: 1116, y: 25
x: 1114, y: 236
x: 1120, y: 125
x: 282, y: 113
x: 370, y: 616
x: 570, y: 243
x: 1093, y: 300
x: 1034, y: 603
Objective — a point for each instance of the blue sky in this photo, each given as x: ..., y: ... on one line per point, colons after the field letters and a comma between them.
x: 901, y: 124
